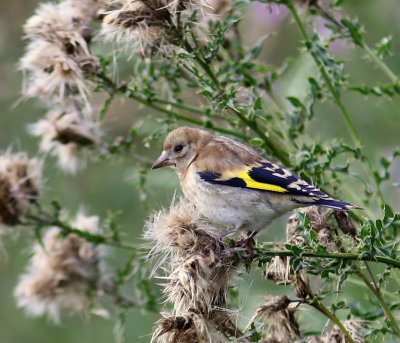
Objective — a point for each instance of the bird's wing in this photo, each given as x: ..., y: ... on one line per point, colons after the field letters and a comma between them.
x: 267, y: 176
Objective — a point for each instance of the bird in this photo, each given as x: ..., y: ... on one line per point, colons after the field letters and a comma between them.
x: 232, y: 185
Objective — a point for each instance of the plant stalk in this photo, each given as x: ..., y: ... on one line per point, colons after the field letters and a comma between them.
x: 320, y: 307
x: 376, y: 291
x: 336, y: 96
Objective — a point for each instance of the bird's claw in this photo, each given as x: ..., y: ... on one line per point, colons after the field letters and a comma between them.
x: 248, y: 243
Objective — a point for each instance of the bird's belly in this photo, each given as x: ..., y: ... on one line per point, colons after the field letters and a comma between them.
x: 230, y: 206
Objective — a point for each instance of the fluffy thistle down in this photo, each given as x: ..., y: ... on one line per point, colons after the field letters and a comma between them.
x: 58, y: 56
x: 62, y: 272
x: 67, y: 134
x: 191, y: 328
x: 143, y: 24
x: 20, y: 181
x: 86, y: 9
x: 196, y: 268
x: 280, y: 325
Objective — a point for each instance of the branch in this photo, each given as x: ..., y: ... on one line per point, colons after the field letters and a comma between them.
x: 123, y: 89
x: 328, y: 255
x: 376, y: 291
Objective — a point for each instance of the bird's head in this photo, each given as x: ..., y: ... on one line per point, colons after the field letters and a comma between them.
x: 181, y: 147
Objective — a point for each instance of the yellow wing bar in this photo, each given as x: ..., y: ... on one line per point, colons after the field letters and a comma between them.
x: 251, y: 183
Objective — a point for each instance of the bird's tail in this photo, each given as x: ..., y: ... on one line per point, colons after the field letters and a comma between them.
x: 336, y: 204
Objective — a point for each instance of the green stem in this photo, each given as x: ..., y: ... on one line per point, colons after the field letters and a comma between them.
x: 188, y: 108
x: 376, y: 291
x: 339, y: 256
x: 363, y: 284
x: 320, y: 307
x: 48, y: 221
x: 185, y: 118
x: 181, y: 106
x: 271, y: 145
x: 336, y: 96
x: 150, y: 103
x: 380, y: 63
x: 373, y: 287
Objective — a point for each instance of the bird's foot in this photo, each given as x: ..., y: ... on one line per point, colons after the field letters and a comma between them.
x: 229, y: 231
x: 248, y: 243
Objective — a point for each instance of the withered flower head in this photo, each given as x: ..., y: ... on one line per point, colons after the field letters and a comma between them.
x: 62, y: 272
x: 141, y: 24
x: 66, y: 134
x: 197, y: 268
x: 355, y: 328
x: 344, y: 223
x: 302, y: 286
x: 57, y: 23
x: 137, y: 23
x: 58, y: 56
x: 87, y: 9
x: 189, y: 328
x: 20, y: 181
x: 278, y: 315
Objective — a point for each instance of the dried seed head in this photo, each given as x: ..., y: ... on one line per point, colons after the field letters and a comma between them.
x: 197, y: 268
x: 302, y: 286
x: 189, y: 328
x: 20, y: 181
x: 87, y: 9
x: 356, y: 329
x: 62, y: 272
x: 279, y: 271
x: 137, y: 24
x: 292, y: 232
x: 317, y: 222
x: 182, y: 230
x: 174, y: 329
x: 280, y: 324
x: 273, y: 304
x: 344, y: 223
x: 53, y: 75
x: 58, y: 56
x: 56, y: 23
x: 142, y: 25
x: 67, y: 134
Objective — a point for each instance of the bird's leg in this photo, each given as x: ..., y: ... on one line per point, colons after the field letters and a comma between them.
x: 229, y: 231
x: 248, y: 243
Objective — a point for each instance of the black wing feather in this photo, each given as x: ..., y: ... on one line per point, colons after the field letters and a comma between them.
x: 271, y: 174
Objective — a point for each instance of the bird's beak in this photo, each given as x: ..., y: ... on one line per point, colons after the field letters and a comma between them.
x: 162, y: 161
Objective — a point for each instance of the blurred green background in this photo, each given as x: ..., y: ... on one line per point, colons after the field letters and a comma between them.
x: 110, y: 184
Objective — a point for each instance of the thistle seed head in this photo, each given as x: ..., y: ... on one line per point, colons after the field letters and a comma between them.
x: 196, y: 267
x: 58, y: 56
x: 191, y: 327
x: 280, y: 324
x: 62, y: 272
x: 20, y: 182
x: 67, y: 134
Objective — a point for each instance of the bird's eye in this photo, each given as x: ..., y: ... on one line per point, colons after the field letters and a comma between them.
x: 178, y: 148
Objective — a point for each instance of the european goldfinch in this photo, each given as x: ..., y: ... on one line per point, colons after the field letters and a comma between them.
x: 232, y: 184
